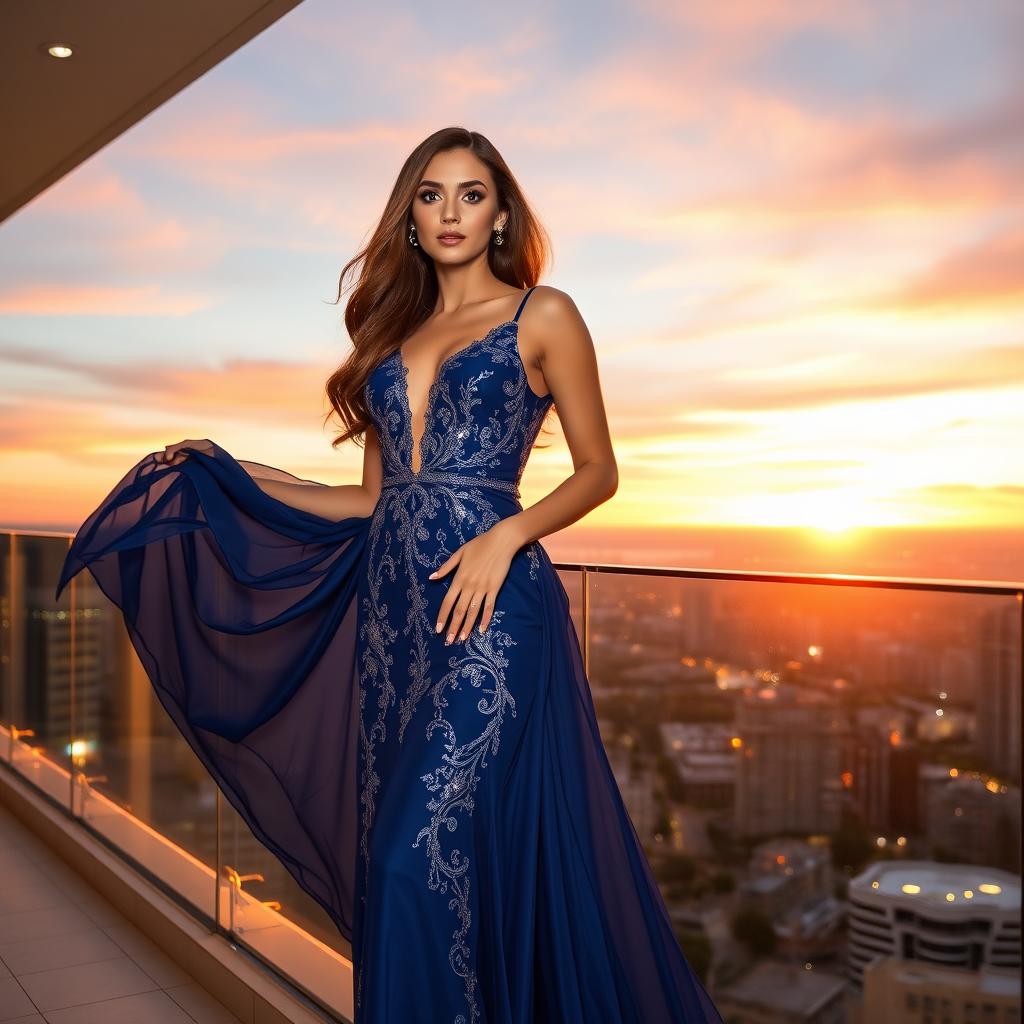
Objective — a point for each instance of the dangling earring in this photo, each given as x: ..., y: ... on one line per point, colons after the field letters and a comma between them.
x: 498, y: 238
x: 412, y: 235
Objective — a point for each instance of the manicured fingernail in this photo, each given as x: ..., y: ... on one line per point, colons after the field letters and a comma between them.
x: 450, y: 637
x: 437, y: 628
x: 432, y: 575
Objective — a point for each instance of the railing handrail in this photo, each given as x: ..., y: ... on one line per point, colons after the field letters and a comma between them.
x: 1001, y: 588
x: 1004, y: 588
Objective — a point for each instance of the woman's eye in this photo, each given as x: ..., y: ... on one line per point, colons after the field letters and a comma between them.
x: 471, y: 192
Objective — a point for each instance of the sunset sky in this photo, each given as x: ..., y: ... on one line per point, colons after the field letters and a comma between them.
x: 795, y: 230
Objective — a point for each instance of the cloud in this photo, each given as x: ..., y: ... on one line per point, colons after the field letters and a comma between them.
x: 997, y: 366
x: 681, y: 378
x: 96, y: 225
x: 987, y: 274
x: 269, y: 392
x: 52, y: 299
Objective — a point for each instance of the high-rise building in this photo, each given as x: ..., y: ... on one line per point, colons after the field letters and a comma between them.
x: 998, y: 735
x: 788, y: 767
x: 904, y: 788
x: 957, y: 915
x: 880, y: 776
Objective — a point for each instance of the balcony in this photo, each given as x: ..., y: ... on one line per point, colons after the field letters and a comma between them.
x: 777, y: 738
x: 68, y: 953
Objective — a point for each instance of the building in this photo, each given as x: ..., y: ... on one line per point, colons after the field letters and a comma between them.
x: 902, y: 992
x: 788, y: 768
x: 904, y: 788
x: 880, y: 767
x: 783, y: 993
x: 790, y: 882
x: 705, y: 759
x: 975, y: 819
x: 953, y: 915
x: 998, y: 706
x: 786, y: 873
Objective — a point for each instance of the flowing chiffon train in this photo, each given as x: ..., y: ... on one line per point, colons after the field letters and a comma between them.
x: 451, y: 807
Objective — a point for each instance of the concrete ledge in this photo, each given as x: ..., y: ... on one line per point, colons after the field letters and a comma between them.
x: 246, y: 987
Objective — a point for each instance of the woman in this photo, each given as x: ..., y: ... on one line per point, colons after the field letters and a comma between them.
x: 384, y: 677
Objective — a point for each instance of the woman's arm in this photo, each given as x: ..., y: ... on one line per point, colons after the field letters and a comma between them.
x: 334, y: 502
x: 327, y: 501
x: 558, y: 339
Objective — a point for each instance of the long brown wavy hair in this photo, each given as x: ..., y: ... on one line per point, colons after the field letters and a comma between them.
x: 397, y: 288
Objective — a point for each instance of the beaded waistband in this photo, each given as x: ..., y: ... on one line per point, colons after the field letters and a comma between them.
x: 436, y: 477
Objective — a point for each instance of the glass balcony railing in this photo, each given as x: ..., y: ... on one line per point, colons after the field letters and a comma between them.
x: 824, y: 770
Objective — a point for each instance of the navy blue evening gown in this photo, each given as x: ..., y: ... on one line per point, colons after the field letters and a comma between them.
x: 450, y: 806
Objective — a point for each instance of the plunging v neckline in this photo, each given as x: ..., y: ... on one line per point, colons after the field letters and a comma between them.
x: 414, y: 442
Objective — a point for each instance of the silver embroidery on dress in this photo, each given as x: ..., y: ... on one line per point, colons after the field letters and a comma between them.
x: 440, y: 502
x: 454, y: 781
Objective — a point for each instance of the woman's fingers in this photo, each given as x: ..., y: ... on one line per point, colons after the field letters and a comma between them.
x: 173, y: 454
x: 485, y: 613
x: 472, y: 610
x: 459, y: 604
x: 458, y: 613
x: 474, y: 588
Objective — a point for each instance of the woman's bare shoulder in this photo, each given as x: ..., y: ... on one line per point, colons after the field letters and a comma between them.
x: 554, y: 317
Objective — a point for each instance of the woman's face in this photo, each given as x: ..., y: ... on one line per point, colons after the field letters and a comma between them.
x: 456, y: 195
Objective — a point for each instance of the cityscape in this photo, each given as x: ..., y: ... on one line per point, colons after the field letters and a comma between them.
x: 826, y: 780
x: 816, y: 809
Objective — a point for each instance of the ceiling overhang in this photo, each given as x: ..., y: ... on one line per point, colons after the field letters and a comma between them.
x: 129, y: 57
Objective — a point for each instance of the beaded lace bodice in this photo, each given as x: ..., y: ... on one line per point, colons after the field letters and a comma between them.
x: 480, y: 420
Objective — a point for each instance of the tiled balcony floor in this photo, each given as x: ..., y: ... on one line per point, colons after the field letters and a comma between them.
x: 68, y: 957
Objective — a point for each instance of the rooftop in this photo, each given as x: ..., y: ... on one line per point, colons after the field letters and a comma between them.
x: 950, y: 886
x: 787, y: 988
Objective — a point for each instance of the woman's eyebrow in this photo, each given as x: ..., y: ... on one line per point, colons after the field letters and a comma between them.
x: 461, y: 184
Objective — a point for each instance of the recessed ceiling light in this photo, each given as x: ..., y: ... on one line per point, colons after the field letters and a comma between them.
x: 59, y: 50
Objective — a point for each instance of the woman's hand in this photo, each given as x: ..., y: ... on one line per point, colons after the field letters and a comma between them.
x: 173, y: 454
x: 483, y: 564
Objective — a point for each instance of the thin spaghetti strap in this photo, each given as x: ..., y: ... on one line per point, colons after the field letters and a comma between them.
x: 523, y: 303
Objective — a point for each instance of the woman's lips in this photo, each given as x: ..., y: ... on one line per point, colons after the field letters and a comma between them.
x: 451, y: 239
